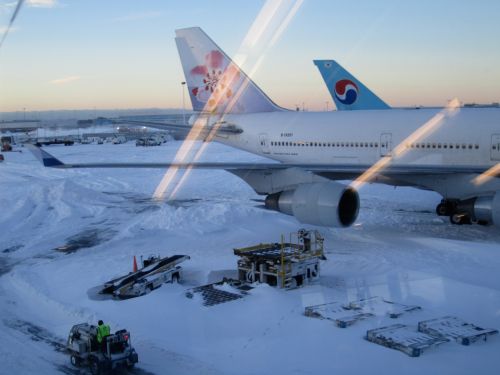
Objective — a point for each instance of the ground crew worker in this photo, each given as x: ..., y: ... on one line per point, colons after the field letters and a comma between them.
x: 103, y: 330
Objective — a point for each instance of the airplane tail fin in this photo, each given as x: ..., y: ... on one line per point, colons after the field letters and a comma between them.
x: 347, y: 92
x: 215, y: 83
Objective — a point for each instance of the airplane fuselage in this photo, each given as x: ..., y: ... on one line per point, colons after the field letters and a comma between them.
x: 424, y: 137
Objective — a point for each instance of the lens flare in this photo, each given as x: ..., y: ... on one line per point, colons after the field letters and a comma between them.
x: 423, y: 131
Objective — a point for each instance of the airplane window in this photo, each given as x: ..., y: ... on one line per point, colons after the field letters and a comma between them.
x: 371, y: 144
x: 439, y: 145
x: 476, y: 146
x: 433, y: 145
x: 361, y: 144
x: 451, y: 146
x: 352, y: 144
x: 376, y: 144
x: 464, y: 147
x: 428, y: 145
x: 470, y: 147
x: 445, y: 145
x: 457, y: 146
x: 356, y: 144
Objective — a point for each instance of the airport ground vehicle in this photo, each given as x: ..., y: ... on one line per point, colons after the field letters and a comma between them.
x: 118, y: 140
x: 151, y: 141
x: 155, y: 272
x: 54, y: 141
x: 6, y: 143
x: 84, y: 349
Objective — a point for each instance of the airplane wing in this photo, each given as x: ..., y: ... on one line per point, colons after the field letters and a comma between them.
x: 331, y: 171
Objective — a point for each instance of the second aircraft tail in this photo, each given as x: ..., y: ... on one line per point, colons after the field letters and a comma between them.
x: 347, y: 92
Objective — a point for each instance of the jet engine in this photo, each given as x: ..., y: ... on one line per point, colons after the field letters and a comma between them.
x: 487, y: 209
x: 327, y: 204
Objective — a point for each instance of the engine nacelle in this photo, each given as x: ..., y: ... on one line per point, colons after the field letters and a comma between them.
x: 487, y: 209
x: 327, y: 204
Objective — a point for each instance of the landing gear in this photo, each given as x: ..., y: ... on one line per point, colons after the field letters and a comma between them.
x: 446, y: 208
x: 460, y: 219
x: 442, y: 210
x: 452, y: 208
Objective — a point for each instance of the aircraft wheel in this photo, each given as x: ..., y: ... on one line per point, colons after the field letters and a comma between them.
x: 442, y: 209
x: 460, y: 219
x: 75, y: 361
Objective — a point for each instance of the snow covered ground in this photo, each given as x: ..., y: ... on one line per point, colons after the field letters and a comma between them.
x: 398, y: 249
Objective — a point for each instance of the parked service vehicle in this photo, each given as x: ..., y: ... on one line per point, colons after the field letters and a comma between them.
x: 6, y: 143
x: 55, y: 141
x: 119, y: 140
x: 150, y: 141
x: 84, y: 349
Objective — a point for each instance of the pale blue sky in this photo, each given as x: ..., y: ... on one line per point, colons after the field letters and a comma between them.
x: 122, y: 54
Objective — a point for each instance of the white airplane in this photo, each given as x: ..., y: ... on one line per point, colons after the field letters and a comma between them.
x: 454, y: 151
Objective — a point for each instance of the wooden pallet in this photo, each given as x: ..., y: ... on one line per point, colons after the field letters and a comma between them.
x: 454, y: 328
x: 403, y: 338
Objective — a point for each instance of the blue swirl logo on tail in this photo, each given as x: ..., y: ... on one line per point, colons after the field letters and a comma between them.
x: 346, y: 91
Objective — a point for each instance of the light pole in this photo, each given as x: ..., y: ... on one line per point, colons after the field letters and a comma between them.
x: 183, y: 83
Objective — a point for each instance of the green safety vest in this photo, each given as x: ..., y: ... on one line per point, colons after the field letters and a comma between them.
x: 102, y: 331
